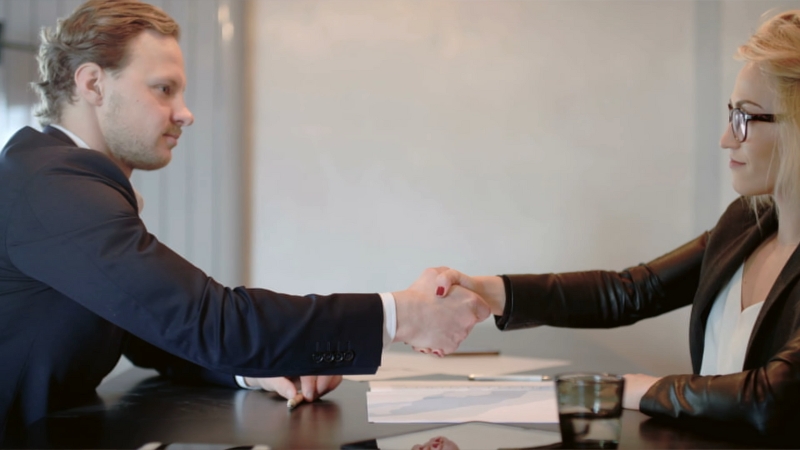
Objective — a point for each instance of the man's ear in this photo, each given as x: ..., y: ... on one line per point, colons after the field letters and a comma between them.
x: 89, y: 82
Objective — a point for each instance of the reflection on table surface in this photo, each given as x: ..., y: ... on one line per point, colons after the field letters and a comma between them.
x: 470, y: 436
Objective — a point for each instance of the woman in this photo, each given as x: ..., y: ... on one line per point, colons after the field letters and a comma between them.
x: 742, y: 277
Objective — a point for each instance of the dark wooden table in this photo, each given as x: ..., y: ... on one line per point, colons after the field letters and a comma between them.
x: 137, y: 408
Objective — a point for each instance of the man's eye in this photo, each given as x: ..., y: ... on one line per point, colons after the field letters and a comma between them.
x: 165, y: 89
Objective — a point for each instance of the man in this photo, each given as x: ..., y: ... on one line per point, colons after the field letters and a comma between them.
x: 82, y: 281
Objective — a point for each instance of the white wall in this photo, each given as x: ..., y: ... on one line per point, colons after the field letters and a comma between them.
x: 490, y: 136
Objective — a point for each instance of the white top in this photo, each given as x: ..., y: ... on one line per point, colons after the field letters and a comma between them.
x: 728, y: 330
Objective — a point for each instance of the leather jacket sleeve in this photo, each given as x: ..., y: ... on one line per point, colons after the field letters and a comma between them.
x: 602, y: 299
x: 765, y: 398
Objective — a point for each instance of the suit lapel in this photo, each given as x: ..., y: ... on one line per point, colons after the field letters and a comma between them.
x: 718, y: 271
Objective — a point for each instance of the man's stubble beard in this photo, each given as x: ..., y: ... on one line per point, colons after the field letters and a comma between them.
x: 126, y: 145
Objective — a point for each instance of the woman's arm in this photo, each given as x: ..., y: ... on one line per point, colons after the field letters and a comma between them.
x: 604, y: 299
x: 590, y: 299
x: 766, y: 398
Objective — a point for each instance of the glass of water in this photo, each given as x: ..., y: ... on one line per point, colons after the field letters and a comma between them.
x: 589, y: 409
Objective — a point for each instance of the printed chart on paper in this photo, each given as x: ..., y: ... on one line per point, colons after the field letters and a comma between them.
x: 461, y: 401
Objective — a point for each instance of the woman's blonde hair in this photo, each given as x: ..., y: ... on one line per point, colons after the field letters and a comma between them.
x: 98, y: 31
x: 775, y: 49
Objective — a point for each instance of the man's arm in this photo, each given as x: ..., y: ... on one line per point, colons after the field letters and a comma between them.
x: 77, y: 231
x: 143, y: 354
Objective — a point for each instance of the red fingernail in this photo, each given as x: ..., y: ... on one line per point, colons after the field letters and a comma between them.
x: 440, y: 291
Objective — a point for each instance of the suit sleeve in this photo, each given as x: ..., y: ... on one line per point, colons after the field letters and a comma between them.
x: 76, y: 229
x: 602, y: 299
x: 148, y: 356
x: 764, y: 399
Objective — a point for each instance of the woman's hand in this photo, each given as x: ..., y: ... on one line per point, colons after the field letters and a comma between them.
x: 312, y: 387
x: 636, y: 385
x: 490, y: 288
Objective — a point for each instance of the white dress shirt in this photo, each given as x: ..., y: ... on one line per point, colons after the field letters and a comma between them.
x: 728, y: 330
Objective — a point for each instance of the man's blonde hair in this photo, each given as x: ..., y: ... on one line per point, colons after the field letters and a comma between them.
x: 99, y: 31
x: 775, y: 49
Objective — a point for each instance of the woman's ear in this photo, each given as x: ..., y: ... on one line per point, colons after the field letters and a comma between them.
x: 89, y: 80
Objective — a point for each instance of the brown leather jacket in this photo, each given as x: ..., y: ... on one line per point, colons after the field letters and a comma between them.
x: 765, y: 396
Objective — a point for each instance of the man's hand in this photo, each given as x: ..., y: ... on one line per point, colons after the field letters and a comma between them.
x: 636, y: 385
x: 427, y: 321
x: 312, y: 387
x: 491, y: 289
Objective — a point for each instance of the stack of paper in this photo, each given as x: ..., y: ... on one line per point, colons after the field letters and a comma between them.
x: 461, y: 401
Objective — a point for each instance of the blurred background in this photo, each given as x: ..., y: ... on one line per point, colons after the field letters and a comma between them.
x: 345, y: 145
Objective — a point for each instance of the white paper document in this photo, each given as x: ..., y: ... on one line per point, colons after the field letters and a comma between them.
x: 461, y: 401
x: 400, y: 365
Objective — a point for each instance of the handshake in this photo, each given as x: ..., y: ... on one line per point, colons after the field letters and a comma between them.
x: 436, y: 313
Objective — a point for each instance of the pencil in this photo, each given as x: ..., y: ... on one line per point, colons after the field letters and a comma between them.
x: 294, y: 401
x: 475, y: 353
x: 474, y: 377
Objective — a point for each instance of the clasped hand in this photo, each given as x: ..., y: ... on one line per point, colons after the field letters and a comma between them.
x: 434, y: 320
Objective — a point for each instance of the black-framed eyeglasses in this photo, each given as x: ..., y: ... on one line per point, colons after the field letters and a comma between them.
x: 738, y: 120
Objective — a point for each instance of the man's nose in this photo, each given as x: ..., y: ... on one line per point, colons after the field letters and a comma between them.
x: 183, y: 116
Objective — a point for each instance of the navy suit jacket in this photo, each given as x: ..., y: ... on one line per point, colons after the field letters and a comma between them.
x: 82, y: 281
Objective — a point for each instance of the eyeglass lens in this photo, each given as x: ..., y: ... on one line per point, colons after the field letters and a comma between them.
x: 738, y: 124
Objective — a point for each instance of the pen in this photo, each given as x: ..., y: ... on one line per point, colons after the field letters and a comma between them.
x: 294, y: 401
x: 475, y: 353
x: 474, y: 377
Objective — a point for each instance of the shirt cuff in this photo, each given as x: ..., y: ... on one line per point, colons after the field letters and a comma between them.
x: 389, y: 318
x: 243, y: 385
